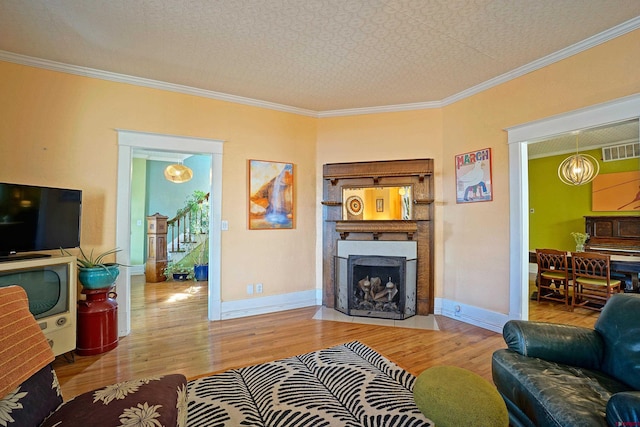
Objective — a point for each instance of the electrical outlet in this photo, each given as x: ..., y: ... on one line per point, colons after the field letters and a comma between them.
x: 249, y: 289
x: 224, y: 225
x: 258, y: 288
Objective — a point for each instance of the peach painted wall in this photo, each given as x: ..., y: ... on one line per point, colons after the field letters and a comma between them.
x: 58, y: 129
x: 472, y: 240
x: 476, y: 236
x: 384, y: 136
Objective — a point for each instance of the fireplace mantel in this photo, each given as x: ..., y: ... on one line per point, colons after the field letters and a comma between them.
x: 417, y: 173
x: 344, y: 228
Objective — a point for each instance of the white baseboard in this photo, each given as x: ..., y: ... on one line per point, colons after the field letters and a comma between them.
x: 270, y: 304
x: 469, y: 314
x: 135, y: 270
x: 262, y: 305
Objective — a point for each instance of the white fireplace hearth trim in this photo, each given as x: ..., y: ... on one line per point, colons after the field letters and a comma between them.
x: 415, y: 322
x: 472, y: 315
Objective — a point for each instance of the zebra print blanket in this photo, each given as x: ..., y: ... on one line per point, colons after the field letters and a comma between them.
x: 348, y: 385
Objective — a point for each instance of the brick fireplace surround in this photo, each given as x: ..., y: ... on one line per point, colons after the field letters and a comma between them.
x: 417, y: 173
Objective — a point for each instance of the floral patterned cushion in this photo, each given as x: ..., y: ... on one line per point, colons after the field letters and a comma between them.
x: 158, y: 401
x: 32, y: 401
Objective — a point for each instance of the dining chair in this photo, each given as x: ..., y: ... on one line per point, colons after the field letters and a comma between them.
x: 553, y: 276
x: 592, y: 282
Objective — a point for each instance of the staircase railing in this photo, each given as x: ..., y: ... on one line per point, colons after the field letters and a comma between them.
x: 190, y: 220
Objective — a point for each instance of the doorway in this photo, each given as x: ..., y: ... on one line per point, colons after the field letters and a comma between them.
x: 519, y: 137
x: 128, y: 141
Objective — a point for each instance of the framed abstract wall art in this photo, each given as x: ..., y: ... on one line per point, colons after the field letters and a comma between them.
x: 618, y: 191
x: 271, y: 195
x: 473, y: 177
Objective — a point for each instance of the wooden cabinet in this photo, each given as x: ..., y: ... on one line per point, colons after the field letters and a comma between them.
x: 156, y: 248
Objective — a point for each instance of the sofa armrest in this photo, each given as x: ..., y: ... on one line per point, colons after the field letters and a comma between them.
x: 569, y: 345
x: 623, y: 409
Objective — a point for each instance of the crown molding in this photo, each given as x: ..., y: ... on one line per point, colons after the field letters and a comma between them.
x: 588, y: 43
x: 381, y: 109
x: 617, y: 31
x: 140, y: 81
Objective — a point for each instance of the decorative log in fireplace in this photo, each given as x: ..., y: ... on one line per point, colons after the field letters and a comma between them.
x: 414, y: 175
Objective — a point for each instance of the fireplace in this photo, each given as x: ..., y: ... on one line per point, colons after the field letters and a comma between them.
x: 378, y: 202
x: 376, y: 279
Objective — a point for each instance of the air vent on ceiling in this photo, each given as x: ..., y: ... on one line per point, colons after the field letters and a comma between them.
x: 621, y: 152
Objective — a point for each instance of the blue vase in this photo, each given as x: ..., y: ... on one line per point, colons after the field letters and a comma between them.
x: 201, y: 272
x: 98, y: 277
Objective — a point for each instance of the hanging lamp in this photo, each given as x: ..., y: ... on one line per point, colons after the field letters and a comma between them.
x: 578, y: 169
x: 178, y: 173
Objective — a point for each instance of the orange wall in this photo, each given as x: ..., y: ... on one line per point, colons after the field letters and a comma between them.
x: 383, y: 136
x: 476, y: 241
x: 472, y: 240
x: 59, y: 129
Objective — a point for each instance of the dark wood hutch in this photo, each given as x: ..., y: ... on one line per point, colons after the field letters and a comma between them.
x: 416, y: 173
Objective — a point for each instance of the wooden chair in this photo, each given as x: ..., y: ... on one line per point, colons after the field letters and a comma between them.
x: 553, y: 276
x: 592, y: 283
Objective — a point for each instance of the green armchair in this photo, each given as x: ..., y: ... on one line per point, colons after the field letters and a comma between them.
x: 560, y: 375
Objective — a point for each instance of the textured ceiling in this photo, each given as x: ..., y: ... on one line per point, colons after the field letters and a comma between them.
x: 317, y: 55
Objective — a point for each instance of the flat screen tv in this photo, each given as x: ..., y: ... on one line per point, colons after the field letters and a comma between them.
x: 36, y: 218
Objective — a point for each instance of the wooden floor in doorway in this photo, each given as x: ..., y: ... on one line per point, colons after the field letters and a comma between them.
x: 171, y: 333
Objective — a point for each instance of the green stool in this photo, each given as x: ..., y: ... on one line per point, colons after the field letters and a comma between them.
x: 451, y: 397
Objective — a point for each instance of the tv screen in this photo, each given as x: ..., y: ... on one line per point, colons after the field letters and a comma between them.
x: 36, y: 218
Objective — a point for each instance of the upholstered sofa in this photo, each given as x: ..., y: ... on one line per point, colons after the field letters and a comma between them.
x: 561, y: 375
x: 30, y: 394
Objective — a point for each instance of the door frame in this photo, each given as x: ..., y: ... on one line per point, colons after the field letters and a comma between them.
x: 520, y: 136
x: 129, y: 140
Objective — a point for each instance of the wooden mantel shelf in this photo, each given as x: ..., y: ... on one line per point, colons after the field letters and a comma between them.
x: 376, y: 227
x: 420, y: 168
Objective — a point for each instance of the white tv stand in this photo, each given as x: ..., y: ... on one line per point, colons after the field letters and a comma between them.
x: 39, y: 276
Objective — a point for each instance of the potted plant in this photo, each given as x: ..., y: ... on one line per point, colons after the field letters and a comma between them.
x: 93, y: 272
x: 580, y: 239
x: 177, y: 272
x: 198, y: 204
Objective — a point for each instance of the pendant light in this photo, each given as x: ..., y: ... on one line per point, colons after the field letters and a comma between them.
x: 578, y: 169
x: 178, y: 173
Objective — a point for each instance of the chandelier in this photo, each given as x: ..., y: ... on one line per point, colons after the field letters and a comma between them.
x: 578, y: 169
x: 178, y: 173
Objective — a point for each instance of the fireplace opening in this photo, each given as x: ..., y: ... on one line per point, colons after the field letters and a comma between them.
x: 376, y: 286
x: 376, y: 278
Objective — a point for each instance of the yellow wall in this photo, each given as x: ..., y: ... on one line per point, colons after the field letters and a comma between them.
x: 385, y: 136
x: 476, y: 236
x: 59, y: 130
x: 472, y: 240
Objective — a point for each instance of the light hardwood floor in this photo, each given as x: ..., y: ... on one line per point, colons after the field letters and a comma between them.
x: 171, y: 333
